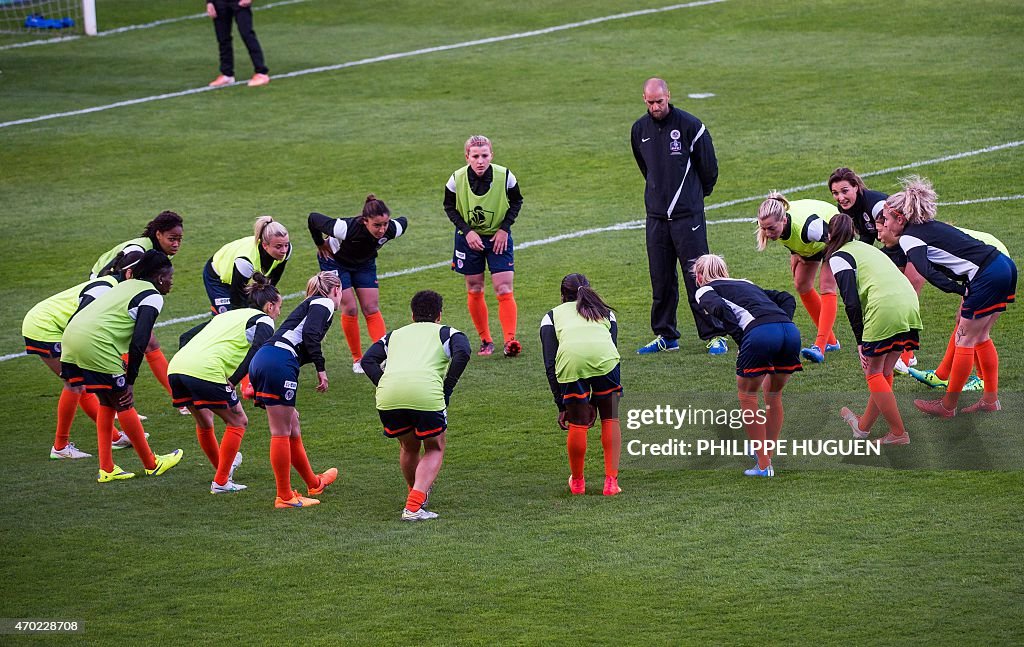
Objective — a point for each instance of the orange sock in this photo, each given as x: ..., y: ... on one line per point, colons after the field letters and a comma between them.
x: 611, y: 441
x: 478, y: 313
x: 90, y: 404
x: 350, y: 326
x: 207, y: 438
x: 963, y: 362
x: 942, y: 372
x: 812, y: 303
x: 508, y: 315
x: 375, y: 326
x: 301, y: 463
x: 158, y: 364
x: 826, y: 321
x: 576, y: 443
x: 415, y: 500
x: 988, y: 362
x: 774, y: 412
x: 755, y: 430
x: 67, y: 405
x: 132, y: 426
x: 104, y: 423
x: 229, y: 445
x: 883, y: 398
x: 281, y: 463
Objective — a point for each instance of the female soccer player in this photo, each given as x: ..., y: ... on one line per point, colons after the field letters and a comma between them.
x: 863, y: 206
x: 761, y: 322
x: 886, y: 320
x: 119, y: 321
x: 415, y: 370
x: 350, y: 251
x: 43, y: 328
x: 229, y: 270
x: 578, y: 341
x: 274, y: 372
x: 801, y: 228
x: 205, y: 373
x: 955, y: 262
x: 483, y: 200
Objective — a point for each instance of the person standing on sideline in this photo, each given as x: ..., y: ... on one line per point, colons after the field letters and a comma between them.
x: 222, y: 12
x: 482, y: 200
x: 675, y: 155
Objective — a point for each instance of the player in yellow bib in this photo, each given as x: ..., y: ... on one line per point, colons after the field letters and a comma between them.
x: 229, y: 270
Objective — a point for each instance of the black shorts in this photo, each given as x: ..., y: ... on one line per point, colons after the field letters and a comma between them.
x: 593, y: 388
x: 42, y: 348
x: 201, y: 394
x: 425, y: 424
x: 816, y: 258
x: 109, y: 389
x: 896, y: 344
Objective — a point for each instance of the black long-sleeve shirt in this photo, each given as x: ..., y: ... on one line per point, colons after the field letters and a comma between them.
x: 350, y: 242
x: 304, y: 330
x: 741, y: 305
x: 480, y: 185
x: 947, y: 257
x: 868, y: 205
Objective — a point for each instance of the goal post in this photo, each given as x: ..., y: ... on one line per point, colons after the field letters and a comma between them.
x: 89, y: 17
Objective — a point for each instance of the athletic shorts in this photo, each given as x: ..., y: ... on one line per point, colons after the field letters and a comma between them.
x: 896, y: 255
x: 42, y: 348
x: 201, y: 394
x: 218, y: 291
x: 469, y: 262
x: 993, y: 288
x: 359, y: 276
x: 816, y: 258
x: 897, y: 343
x: 592, y: 388
x: 108, y: 388
x: 425, y: 424
x: 274, y: 374
x: 769, y: 349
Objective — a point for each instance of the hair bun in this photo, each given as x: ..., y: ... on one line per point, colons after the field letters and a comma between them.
x: 370, y: 198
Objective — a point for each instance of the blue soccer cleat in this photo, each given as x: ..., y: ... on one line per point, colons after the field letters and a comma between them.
x: 718, y: 346
x: 813, y: 354
x: 831, y: 348
x: 658, y: 345
x: 756, y: 471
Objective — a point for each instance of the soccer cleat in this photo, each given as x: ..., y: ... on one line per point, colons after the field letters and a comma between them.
x: 258, y: 80
x: 934, y: 408
x: 513, y: 348
x: 184, y: 411
x: 227, y: 488
x: 974, y: 383
x: 854, y: 422
x: 980, y: 405
x: 657, y: 345
x: 895, y: 439
x: 69, y: 451
x: 831, y: 348
x: 357, y: 368
x: 611, y: 486
x: 426, y: 500
x: 116, y: 474
x: 297, y: 501
x: 927, y: 377
x: 235, y: 462
x: 124, y: 442
x: 756, y: 471
x: 912, y: 362
x: 717, y: 346
x: 221, y: 80
x: 165, y: 462
x: 419, y: 515
x: 326, y: 479
x: 900, y: 367
x: 486, y: 348
x: 577, y: 486
x: 813, y: 354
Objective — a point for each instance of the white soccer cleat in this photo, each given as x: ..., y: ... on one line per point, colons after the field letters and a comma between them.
x: 184, y: 411
x: 854, y: 422
x: 124, y: 442
x: 901, y: 367
x: 227, y: 488
x: 70, y: 451
x: 357, y: 368
x: 234, y: 466
x: 419, y: 515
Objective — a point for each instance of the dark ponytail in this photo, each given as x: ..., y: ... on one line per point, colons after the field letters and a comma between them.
x: 840, y: 232
x: 589, y: 305
x: 165, y: 221
x: 261, y: 291
x: 373, y: 207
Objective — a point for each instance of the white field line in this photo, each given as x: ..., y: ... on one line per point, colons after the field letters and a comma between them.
x: 365, y: 61
x: 148, y: 25
x: 622, y: 226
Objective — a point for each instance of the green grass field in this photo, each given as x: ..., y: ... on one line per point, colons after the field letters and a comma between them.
x: 922, y: 544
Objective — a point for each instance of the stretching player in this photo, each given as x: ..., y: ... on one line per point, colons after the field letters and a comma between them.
x: 229, y: 270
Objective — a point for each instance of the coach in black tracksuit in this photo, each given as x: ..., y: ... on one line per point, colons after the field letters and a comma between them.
x: 677, y: 159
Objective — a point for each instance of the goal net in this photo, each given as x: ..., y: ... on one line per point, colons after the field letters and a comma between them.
x: 47, y: 17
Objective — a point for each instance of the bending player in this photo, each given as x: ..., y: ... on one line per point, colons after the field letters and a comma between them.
x: 229, y: 270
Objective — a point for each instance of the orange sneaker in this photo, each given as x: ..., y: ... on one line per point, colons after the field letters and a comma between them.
x: 892, y: 439
x: 982, y: 405
x: 577, y: 486
x: 222, y: 80
x: 934, y: 408
x: 326, y: 479
x: 611, y: 486
x: 257, y: 80
x: 297, y: 501
x: 513, y: 348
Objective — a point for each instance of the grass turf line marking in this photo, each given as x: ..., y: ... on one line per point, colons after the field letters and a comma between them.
x: 155, y: 23
x: 366, y: 61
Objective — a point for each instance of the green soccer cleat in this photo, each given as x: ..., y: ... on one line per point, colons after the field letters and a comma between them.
x: 927, y: 377
x: 116, y: 474
x: 165, y: 462
x: 974, y: 383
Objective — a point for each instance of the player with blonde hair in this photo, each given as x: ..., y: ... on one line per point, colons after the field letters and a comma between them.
x: 230, y: 269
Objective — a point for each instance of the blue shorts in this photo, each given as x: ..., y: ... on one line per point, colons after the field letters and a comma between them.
x: 469, y: 262
x: 108, y: 388
x: 771, y: 348
x: 425, y: 424
x: 593, y: 388
x: 201, y: 394
x: 898, y: 343
x: 359, y: 276
x: 993, y: 288
x: 42, y: 348
x: 218, y: 291
x: 274, y: 374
